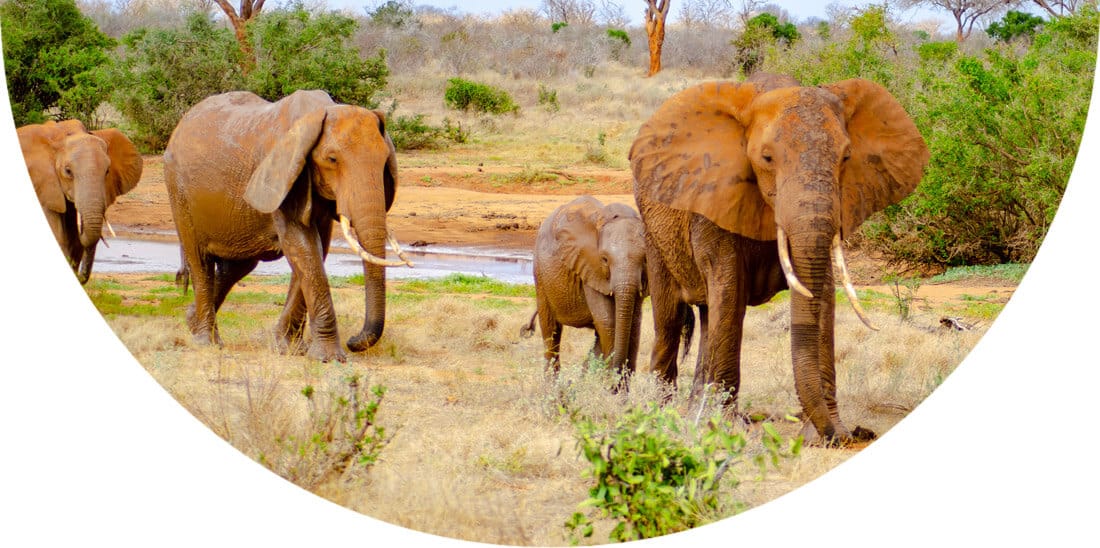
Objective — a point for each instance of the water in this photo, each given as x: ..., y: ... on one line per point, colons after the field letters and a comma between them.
x: 130, y: 256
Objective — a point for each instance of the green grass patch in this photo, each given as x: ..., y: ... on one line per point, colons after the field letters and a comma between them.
x: 468, y: 284
x: 976, y: 309
x: 256, y: 297
x: 113, y: 304
x: 105, y: 284
x: 1010, y: 272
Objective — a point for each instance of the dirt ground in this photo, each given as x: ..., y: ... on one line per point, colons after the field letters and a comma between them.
x: 499, y: 208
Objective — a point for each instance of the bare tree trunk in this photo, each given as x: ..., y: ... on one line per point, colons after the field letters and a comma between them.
x: 655, y: 13
x: 249, y: 9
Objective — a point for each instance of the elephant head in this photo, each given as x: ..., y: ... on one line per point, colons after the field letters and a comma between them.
x: 77, y: 175
x: 344, y: 155
x: 802, y: 166
x: 604, y: 246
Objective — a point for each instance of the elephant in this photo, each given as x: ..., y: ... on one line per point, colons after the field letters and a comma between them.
x: 77, y: 175
x: 589, y: 269
x: 250, y: 180
x: 749, y: 188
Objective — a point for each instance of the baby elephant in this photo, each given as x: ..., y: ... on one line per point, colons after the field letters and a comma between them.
x: 590, y: 272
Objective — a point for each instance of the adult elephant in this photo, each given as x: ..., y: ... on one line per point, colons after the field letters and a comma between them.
x: 77, y: 175
x: 589, y: 268
x: 748, y: 188
x: 250, y: 180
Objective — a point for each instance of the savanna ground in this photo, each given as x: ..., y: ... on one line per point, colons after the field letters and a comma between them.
x: 481, y: 444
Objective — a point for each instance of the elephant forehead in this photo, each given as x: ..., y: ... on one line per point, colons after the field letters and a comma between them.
x: 86, y: 147
x: 347, y: 124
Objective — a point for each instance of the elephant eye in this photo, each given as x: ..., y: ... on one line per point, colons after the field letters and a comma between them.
x: 767, y: 158
x: 332, y: 159
x: 68, y: 171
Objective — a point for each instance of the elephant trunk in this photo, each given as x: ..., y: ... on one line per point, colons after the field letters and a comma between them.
x: 624, y: 353
x: 812, y: 325
x: 90, y: 207
x: 370, y: 233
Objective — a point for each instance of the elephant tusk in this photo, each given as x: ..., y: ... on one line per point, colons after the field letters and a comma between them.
x: 345, y: 227
x: 397, y: 248
x: 788, y: 270
x: 79, y: 223
x: 109, y: 228
x: 838, y: 258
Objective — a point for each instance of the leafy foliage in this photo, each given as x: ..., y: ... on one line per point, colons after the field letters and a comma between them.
x: 465, y: 95
x: 1013, y: 25
x: 655, y: 473
x: 760, y: 32
x: 342, y: 435
x: 159, y: 74
x: 53, y: 57
x: 394, y: 14
x: 1003, y: 131
x: 414, y: 133
x: 296, y: 49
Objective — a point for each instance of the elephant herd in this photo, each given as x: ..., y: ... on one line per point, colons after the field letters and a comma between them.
x: 743, y: 189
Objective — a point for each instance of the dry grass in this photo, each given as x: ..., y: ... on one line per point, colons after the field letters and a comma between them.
x: 481, y: 448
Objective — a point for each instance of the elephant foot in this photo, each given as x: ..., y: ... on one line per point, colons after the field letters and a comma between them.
x: 362, y: 342
x: 290, y: 346
x: 326, y: 352
x: 841, y: 437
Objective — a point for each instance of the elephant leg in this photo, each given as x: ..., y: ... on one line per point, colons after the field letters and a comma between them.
x: 721, y: 367
x: 304, y: 251
x: 667, y: 317
x: 551, y: 336
x: 226, y: 275
x: 292, y: 321
x: 200, y: 315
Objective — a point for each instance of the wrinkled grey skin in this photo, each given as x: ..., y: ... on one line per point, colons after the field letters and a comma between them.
x: 252, y: 181
x: 589, y: 268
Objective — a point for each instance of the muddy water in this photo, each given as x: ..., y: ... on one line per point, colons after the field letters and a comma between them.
x: 129, y: 256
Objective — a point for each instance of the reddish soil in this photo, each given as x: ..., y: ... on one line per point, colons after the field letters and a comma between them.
x: 473, y: 206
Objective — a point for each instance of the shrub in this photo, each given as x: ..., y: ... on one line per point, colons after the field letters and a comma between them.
x: 341, y: 435
x: 655, y: 473
x: 159, y: 74
x: 53, y: 57
x: 548, y: 98
x: 465, y: 95
x: 1003, y: 130
x: 413, y: 133
x: 296, y: 49
x: 1013, y: 25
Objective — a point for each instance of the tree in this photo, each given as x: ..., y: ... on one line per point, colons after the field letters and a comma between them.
x: 573, y: 12
x: 656, y: 12
x: 52, y: 55
x: 1013, y: 25
x: 760, y: 32
x: 239, y: 21
x: 393, y: 13
x: 1061, y: 8
x: 965, y: 12
x: 707, y: 13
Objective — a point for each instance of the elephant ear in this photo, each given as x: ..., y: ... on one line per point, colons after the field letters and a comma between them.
x: 272, y: 179
x: 389, y: 175
x: 576, y: 230
x: 39, y: 153
x: 888, y: 153
x: 126, y: 166
x: 691, y: 155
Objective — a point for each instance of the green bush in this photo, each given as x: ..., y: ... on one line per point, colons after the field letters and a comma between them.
x: 53, y: 57
x: 413, y: 133
x: 465, y: 95
x: 159, y: 74
x: 548, y: 98
x: 296, y: 49
x: 342, y: 435
x: 655, y: 473
x: 1003, y: 130
x: 1013, y: 25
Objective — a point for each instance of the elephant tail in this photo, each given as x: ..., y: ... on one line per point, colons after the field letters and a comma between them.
x: 687, y: 330
x: 183, y: 275
x: 529, y: 329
